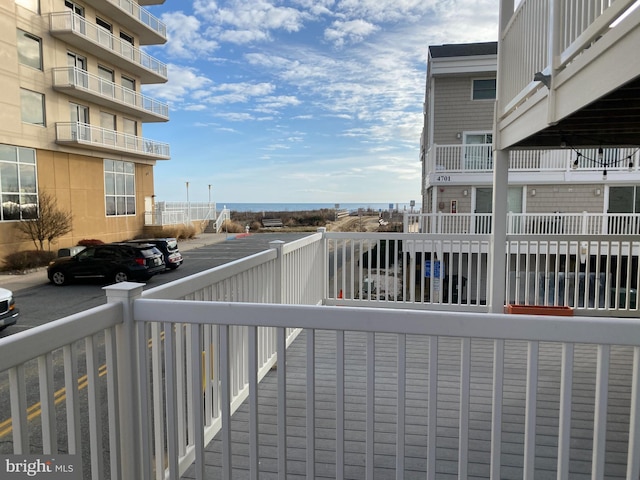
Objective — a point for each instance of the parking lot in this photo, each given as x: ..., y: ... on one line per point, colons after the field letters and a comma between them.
x: 41, y: 302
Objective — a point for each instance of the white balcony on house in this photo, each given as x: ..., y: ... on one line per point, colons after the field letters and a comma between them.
x: 558, y: 223
x: 96, y: 138
x: 77, y: 31
x: 81, y: 84
x: 471, y: 164
x: 148, y: 28
x: 388, y: 365
x: 567, y: 74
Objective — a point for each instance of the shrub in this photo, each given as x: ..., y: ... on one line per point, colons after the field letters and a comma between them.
x: 89, y: 242
x: 27, y: 260
x: 255, y: 226
x: 187, y: 232
x: 232, y: 227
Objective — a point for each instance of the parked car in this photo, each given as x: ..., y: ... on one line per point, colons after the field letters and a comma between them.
x: 169, y: 248
x: 8, y: 311
x: 119, y: 262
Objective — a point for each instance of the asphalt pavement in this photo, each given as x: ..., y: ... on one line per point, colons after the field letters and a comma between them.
x: 19, y: 281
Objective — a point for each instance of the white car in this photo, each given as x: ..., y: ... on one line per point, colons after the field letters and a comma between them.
x: 8, y: 311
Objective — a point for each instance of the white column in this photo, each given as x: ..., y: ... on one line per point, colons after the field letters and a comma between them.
x: 497, y: 254
x: 132, y: 437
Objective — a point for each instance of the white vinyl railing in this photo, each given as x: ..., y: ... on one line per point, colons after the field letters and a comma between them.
x: 525, y: 41
x: 166, y: 368
x: 585, y: 223
x: 83, y: 80
x: 69, y: 21
x: 443, y: 159
x: 105, y: 139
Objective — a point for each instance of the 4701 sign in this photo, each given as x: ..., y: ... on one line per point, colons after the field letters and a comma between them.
x: 443, y: 178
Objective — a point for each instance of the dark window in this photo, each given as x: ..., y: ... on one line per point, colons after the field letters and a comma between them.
x: 484, y: 89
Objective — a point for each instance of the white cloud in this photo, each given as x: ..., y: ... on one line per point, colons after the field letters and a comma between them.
x: 353, y: 31
x: 183, y: 82
x: 245, y: 21
x: 184, y: 36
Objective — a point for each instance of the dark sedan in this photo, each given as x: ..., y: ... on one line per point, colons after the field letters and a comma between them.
x: 119, y: 262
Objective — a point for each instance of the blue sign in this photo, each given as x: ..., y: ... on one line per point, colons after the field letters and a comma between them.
x: 436, y: 269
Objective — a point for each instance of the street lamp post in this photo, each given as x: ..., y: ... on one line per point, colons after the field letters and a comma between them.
x: 188, y: 205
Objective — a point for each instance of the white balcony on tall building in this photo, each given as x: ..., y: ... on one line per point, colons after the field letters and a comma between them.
x: 77, y: 31
x: 79, y: 83
x: 149, y: 29
x: 97, y: 138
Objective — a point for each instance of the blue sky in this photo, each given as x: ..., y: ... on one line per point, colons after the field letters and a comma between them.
x: 300, y: 100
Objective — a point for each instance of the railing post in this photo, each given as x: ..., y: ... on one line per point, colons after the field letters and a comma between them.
x: 405, y: 222
x: 325, y: 264
x: 279, y: 293
x: 497, y: 253
x: 129, y: 411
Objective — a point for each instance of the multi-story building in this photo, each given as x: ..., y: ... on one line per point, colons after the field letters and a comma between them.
x: 571, y: 189
x: 72, y: 113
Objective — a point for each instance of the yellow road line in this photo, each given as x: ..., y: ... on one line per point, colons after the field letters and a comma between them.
x: 59, y: 396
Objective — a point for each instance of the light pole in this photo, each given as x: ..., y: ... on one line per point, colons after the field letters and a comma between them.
x: 188, y: 204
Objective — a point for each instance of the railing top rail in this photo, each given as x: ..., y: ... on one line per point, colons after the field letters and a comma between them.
x: 301, y: 242
x: 589, y: 330
x: 193, y: 283
x: 404, y: 236
x: 24, y: 346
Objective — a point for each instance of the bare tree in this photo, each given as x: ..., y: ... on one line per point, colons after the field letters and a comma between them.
x: 47, y: 222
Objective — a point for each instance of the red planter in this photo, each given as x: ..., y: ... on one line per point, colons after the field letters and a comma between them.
x: 540, y: 310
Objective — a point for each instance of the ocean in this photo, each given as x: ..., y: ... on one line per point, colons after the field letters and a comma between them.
x: 297, y: 207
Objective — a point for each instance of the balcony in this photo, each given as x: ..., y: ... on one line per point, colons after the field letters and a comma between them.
x: 77, y: 31
x: 86, y: 86
x: 563, y: 74
x: 585, y: 223
x: 149, y: 29
x: 384, y: 385
x: 469, y: 164
x: 97, y: 138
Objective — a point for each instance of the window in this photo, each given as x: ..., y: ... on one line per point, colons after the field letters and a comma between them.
x: 106, y: 81
x: 119, y: 188
x: 74, y: 7
x: 130, y: 89
x: 104, y: 33
x: 32, y: 106
x: 18, y: 183
x: 126, y: 45
x: 130, y: 130
x: 484, y: 89
x: 33, y: 5
x: 29, y: 50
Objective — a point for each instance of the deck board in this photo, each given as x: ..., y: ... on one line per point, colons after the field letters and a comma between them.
x: 417, y: 351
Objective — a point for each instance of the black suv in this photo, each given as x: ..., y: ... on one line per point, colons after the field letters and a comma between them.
x: 119, y: 262
x: 169, y: 248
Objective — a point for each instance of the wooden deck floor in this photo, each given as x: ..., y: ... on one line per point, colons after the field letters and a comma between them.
x: 416, y: 411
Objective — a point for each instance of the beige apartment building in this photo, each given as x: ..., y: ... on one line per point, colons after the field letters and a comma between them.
x: 566, y: 190
x: 71, y: 115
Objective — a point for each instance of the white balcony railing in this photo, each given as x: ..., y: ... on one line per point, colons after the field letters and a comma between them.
x: 442, y: 159
x: 82, y: 80
x: 99, y: 138
x: 142, y: 15
x: 525, y: 42
x: 181, y: 358
x: 585, y: 223
x: 63, y: 22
